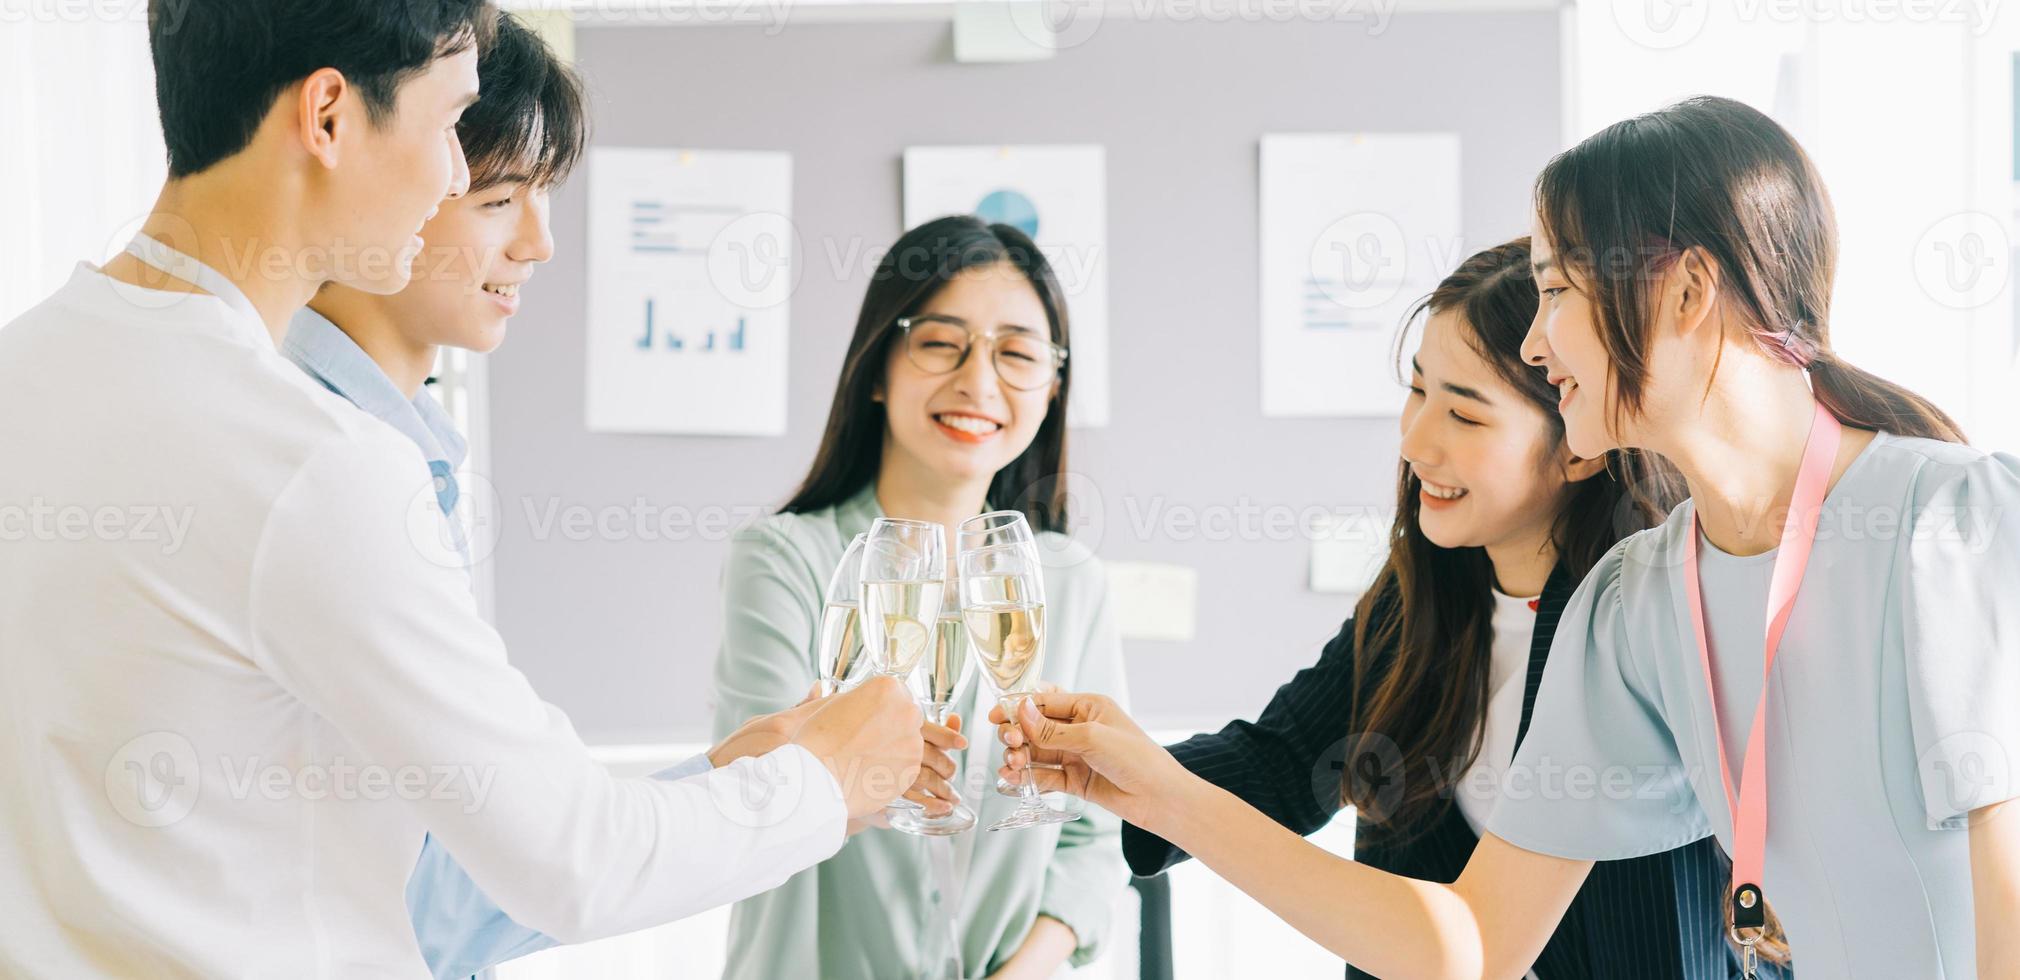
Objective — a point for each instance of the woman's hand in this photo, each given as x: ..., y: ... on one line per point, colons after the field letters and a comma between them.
x: 1103, y: 756
x: 1045, y: 949
x: 935, y: 787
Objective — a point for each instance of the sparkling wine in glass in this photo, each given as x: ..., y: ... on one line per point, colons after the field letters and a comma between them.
x: 1003, y: 605
x: 841, y: 622
x: 938, y: 682
x: 898, y: 623
x: 903, y: 575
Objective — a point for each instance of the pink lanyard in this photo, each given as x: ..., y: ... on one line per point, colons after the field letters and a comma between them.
x: 1749, y: 806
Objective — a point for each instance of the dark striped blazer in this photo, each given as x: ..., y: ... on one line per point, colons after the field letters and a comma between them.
x: 1648, y: 918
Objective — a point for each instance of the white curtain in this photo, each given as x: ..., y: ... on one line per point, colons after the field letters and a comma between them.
x: 81, y: 155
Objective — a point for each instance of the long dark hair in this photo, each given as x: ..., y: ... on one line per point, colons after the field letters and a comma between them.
x: 922, y: 262
x: 1423, y: 632
x: 1720, y: 177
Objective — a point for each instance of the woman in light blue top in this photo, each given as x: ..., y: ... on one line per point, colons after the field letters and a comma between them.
x: 1685, y: 261
x: 952, y: 401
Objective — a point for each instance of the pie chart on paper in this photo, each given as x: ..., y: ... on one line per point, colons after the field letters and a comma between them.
x: 1008, y: 207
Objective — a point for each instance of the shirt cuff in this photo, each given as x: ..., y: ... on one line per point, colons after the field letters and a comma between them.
x: 1084, y: 912
x: 1147, y: 854
x: 686, y: 768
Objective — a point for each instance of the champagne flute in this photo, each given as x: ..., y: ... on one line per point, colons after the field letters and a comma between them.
x: 904, y: 579
x: 937, y: 682
x: 994, y: 528
x: 1003, y: 604
x: 841, y: 639
x: 997, y: 527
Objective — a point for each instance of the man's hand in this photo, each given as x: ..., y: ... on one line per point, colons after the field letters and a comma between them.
x: 760, y: 735
x: 1103, y: 757
x: 869, y: 739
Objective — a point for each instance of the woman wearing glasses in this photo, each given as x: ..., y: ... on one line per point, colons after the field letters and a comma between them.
x: 951, y: 402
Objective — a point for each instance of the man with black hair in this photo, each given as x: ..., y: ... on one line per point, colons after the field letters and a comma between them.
x: 224, y: 753
x: 523, y: 137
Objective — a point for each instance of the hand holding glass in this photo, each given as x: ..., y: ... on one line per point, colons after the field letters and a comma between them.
x: 1003, y: 605
x: 904, y: 578
x: 938, y: 681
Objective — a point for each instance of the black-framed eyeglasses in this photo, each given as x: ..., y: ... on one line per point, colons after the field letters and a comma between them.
x: 940, y: 345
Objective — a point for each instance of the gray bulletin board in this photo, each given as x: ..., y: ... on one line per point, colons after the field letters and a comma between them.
x: 619, y: 624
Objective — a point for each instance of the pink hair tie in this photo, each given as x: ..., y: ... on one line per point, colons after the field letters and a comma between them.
x: 1789, y: 338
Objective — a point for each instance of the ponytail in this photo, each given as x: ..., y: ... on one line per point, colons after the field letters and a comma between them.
x: 1864, y: 400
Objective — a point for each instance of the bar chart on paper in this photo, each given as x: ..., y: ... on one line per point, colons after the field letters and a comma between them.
x: 691, y: 270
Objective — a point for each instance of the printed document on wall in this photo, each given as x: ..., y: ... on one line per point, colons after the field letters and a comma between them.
x: 691, y: 264
x: 1057, y: 195
x: 1355, y: 228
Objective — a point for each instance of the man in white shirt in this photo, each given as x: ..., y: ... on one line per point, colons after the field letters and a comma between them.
x: 222, y: 746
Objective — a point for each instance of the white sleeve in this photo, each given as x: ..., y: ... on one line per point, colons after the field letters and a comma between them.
x: 350, y: 617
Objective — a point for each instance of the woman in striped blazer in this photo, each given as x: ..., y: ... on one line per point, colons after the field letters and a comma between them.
x: 1414, y: 710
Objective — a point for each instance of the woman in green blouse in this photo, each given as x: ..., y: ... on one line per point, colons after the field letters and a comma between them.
x: 952, y: 402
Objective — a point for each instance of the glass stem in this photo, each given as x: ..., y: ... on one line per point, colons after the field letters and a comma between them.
x: 1027, y: 791
x: 937, y: 712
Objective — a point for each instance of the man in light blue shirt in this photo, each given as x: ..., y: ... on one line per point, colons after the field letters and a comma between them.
x: 461, y: 931
x: 304, y: 641
x: 521, y: 137
x: 331, y: 357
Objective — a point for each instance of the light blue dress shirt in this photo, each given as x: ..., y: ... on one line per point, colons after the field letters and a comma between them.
x: 336, y: 361
x: 460, y: 930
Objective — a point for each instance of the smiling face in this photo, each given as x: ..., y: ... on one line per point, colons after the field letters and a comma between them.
x: 481, y: 249
x: 1684, y: 340
x: 1484, y: 452
x: 1564, y: 341
x: 396, y: 172
x: 965, y: 425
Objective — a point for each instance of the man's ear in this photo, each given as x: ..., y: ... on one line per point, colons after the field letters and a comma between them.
x: 1692, y: 292
x: 319, y: 113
